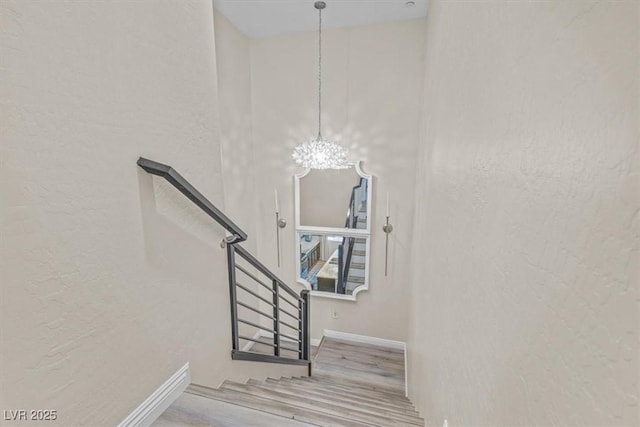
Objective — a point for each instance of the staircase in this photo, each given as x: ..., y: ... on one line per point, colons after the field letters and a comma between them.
x: 352, y: 385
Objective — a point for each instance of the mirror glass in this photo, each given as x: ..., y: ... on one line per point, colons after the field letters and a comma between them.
x: 334, y: 198
x: 333, y: 229
x: 333, y: 263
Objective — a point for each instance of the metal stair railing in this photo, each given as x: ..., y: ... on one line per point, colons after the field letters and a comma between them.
x: 289, y: 316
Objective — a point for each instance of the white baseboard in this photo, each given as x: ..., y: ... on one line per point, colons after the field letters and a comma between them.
x: 406, y: 373
x: 363, y: 339
x: 145, y: 414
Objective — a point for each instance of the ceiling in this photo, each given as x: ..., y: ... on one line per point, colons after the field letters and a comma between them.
x: 265, y: 18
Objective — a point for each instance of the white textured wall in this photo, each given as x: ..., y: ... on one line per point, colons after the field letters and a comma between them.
x: 111, y: 280
x: 233, y: 59
x: 525, y: 275
x: 372, y: 86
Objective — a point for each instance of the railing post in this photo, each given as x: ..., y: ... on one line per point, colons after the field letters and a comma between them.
x: 306, y: 315
x: 231, y: 266
x: 301, y: 305
x: 276, y: 320
x: 341, y: 285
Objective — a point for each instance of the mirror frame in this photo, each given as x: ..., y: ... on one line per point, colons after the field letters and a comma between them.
x: 347, y: 232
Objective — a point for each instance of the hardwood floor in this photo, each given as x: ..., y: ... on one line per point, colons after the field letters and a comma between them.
x: 352, y: 384
x: 373, y: 367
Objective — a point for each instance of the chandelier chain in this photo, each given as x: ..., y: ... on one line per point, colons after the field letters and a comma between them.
x: 319, y: 153
x: 319, y: 73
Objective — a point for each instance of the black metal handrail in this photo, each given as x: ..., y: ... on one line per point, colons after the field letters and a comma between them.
x: 298, y: 334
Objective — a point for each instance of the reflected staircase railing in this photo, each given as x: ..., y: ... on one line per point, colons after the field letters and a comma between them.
x: 344, y: 260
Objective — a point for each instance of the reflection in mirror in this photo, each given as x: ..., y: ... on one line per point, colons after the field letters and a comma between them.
x: 334, y: 264
x: 333, y: 224
x: 335, y: 198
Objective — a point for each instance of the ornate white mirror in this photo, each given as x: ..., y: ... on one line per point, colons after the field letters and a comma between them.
x: 333, y: 223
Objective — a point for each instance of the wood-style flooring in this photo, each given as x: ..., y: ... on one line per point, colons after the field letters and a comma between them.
x: 352, y: 384
x: 368, y: 366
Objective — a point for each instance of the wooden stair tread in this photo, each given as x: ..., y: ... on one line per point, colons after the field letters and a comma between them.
x: 342, y: 407
x: 272, y: 407
x: 363, y: 399
x: 381, y: 392
x: 396, y: 400
x: 191, y: 410
x: 301, y: 401
x: 357, y: 401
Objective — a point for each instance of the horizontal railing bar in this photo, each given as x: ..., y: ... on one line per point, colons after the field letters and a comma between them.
x: 179, y: 182
x: 257, y: 357
x: 264, y: 270
x: 289, y: 314
x: 258, y: 311
x: 254, y: 278
x: 295, y: 350
x: 255, y: 325
x: 295, y: 328
x: 253, y: 293
x: 288, y: 337
x: 289, y: 302
x: 269, y: 344
x: 255, y: 341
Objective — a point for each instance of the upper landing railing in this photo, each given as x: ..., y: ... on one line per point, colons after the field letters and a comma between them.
x: 262, y: 305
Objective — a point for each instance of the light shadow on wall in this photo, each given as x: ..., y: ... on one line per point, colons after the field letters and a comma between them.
x: 172, y: 243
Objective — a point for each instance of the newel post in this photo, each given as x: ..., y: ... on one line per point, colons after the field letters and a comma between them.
x: 306, y: 314
x: 231, y: 266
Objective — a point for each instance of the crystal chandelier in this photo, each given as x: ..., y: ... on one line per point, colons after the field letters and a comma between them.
x: 320, y: 153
